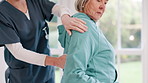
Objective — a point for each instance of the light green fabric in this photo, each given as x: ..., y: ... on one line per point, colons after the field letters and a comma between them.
x: 91, y: 58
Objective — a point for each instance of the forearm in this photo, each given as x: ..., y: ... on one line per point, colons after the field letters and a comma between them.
x: 26, y: 55
x: 35, y: 58
x: 60, y: 10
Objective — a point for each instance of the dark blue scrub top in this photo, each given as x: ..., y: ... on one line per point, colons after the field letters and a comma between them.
x: 15, y: 27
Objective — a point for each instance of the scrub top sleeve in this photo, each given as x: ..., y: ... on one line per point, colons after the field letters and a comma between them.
x: 79, y: 54
x: 7, y: 35
x: 46, y: 7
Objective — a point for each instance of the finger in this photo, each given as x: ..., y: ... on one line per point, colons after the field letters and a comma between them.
x: 83, y: 22
x: 80, y: 26
x: 78, y: 29
x: 69, y: 32
x: 80, y: 23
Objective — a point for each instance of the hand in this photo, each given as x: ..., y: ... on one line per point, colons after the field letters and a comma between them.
x: 73, y: 24
x: 61, y: 61
x: 56, y: 61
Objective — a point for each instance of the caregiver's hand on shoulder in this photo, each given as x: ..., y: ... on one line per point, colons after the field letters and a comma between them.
x: 56, y: 61
x: 71, y: 23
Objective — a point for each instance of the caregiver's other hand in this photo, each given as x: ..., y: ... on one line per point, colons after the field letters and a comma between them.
x: 61, y: 61
x: 71, y: 23
x: 56, y: 61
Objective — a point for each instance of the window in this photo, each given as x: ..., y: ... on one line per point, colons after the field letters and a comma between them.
x: 122, y: 24
x: 130, y: 69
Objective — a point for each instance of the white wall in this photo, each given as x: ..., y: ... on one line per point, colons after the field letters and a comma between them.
x: 3, y: 66
x: 145, y: 41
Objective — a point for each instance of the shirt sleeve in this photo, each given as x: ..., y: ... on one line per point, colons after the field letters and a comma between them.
x: 25, y: 55
x: 60, y: 10
x: 79, y: 53
x: 46, y: 8
x: 7, y: 34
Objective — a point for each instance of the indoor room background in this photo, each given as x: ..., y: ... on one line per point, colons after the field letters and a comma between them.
x: 124, y: 23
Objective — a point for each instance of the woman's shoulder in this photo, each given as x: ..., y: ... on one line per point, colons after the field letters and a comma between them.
x: 89, y: 22
x: 83, y: 17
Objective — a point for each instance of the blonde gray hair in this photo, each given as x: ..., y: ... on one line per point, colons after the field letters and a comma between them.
x: 80, y: 4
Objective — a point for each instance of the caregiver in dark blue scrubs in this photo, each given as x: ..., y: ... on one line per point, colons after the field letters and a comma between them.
x: 23, y: 33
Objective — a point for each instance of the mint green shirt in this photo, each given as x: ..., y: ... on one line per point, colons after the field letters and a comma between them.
x: 91, y: 57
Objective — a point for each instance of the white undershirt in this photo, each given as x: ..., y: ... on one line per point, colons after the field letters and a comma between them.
x: 27, y: 15
x: 28, y: 56
x: 60, y: 10
x: 25, y: 55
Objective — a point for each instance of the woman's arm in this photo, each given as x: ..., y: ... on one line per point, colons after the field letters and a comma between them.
x: 79, y: 52
x: 31, y: 57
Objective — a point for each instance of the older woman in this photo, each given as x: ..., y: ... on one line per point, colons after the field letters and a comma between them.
x: 91, y: 57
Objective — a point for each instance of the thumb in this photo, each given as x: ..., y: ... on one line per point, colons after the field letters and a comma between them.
x: 69, y: 32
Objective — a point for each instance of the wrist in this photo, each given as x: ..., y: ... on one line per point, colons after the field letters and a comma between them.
x: 65, y: 16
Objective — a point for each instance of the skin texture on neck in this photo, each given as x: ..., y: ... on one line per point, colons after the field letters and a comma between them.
x: 19, y: 4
